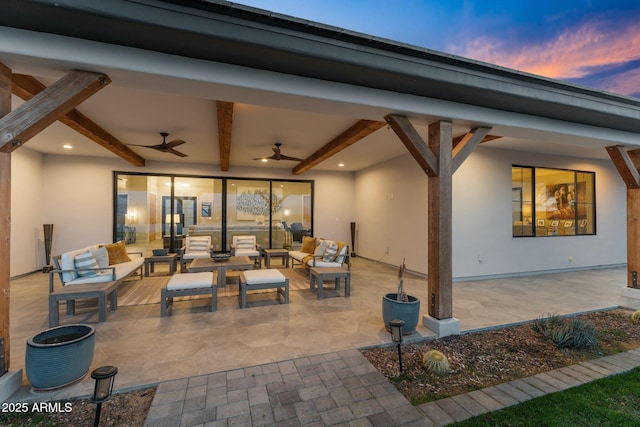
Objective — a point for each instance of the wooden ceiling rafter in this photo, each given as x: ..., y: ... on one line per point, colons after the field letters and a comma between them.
x: 353, y: 134
x: 225, y: 127
x: 28, y: 87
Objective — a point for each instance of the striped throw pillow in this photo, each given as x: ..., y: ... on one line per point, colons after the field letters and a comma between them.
x: 86, y: 260
x: 330, y: 252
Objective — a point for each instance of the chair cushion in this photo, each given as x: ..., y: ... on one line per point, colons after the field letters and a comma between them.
x: 117, y: 253
x: 196, y: 255
x: 259, y: 277
x: 198, y: 243
x: 247, y: 252
x: 190, y: 281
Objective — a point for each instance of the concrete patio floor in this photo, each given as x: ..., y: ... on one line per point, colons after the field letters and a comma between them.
x: 149, y: 349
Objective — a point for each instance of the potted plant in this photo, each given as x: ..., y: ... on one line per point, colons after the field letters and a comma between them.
x: 59, y: 356
x: 401, y: 306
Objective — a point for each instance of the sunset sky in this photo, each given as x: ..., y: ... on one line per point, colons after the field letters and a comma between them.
x: 592, y: 43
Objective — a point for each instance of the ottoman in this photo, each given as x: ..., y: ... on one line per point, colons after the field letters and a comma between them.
x: 262, y: 279
x: 188, y: 284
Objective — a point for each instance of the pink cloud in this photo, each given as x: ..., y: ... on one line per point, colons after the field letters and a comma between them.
x: 567, y: 56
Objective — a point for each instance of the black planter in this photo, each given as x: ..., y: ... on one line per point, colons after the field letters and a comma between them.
x: 59, y: 357
x: 408, y: 311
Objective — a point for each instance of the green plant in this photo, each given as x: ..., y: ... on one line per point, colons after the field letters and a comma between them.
x: 566, y: 333
x: 436, y: 362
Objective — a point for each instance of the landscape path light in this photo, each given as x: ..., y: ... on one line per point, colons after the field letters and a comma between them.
x: 396, y: 336
x: 104, y: 377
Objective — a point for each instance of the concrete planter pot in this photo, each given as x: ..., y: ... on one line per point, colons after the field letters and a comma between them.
x: 59, y: 357
x: 409, y: 311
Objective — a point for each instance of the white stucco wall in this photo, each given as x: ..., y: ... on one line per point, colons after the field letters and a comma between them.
x: 483, y: 245
x: 27, y: 215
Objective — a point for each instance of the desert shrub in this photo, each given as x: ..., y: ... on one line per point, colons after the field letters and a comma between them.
x: 635, y: 317
x: 566, y: 333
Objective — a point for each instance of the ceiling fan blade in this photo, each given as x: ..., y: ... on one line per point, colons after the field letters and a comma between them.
x: 283, y: 157
x: 175, y: 143
x: 176, y: 152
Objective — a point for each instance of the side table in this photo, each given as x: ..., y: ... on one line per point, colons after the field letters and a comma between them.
x: 317, y: 275
x: 149, y: 263
x: 276, y: 253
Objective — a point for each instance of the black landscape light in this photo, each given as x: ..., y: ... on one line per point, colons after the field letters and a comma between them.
x: 396, y: 336
x: 104, y: 377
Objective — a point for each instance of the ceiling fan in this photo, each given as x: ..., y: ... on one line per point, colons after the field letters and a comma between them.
x: 277, y: 155
x: 166, y: 147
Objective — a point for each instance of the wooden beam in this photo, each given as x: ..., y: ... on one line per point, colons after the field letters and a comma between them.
x: 414, y: 143
x: 26, y: 121
x: 627, y: 168
x: 355, y: 133
x: 633, y: 235
x: 458, y: 139
x: 225, y: 125
x: 5, y: 223
x: 626, y: 162
x: 439, y: 225
x: 27, y: 87
x: 467, y: 143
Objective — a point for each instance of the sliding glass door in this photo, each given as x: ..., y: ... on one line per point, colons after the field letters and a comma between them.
x: 159, y: 211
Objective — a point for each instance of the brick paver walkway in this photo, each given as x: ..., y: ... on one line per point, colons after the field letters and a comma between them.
x: 344, y: 388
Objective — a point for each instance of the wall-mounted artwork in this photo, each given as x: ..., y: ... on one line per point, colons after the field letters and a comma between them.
x: 205, y: 210
x: 254, y: 202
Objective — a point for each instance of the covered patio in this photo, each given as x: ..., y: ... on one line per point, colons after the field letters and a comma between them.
x: 148, y: 349
x: 215, y: 68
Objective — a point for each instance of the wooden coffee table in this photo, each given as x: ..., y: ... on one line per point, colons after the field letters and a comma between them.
x: 149, y: 263
x: 208, y: 264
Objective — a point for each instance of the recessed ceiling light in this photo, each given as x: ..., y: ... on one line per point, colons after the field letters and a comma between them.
x: 341, y: 165
x: 264, y: 160
x: 67, y: 146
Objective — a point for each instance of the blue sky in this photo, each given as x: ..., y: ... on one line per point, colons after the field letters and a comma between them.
x: 593, y: 43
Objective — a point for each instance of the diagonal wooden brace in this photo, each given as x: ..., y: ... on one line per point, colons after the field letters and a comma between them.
x: 51, y: 104
x: 414, y: 143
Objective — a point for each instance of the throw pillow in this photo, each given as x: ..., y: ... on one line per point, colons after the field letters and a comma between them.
x: 102, y: 256
x: 85, y: 260
x: 343, y: 248
x: 330, y: 252
x: 321, y: 248
x: 117, y: 253
x: 308, y: 244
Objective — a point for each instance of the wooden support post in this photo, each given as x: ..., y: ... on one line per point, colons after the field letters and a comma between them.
x: 225, y: 127
x: 626, y: 162
x: 633, y: 234
x: 439, y: 225
x: 5, y: 222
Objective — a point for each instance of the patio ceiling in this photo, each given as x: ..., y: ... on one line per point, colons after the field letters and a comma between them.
x: 151, y: 92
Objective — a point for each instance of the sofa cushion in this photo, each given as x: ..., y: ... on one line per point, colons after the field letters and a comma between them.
x: 67, y: 262
x: 117, y: 253
x: 343, y: 248
x: 331, y: 252
x: 101, y: 255
x: 308, y: 244
x: 84, y: 261
x: 321, y: 248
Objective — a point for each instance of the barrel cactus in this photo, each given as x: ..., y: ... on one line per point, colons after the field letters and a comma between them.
x: 635, y: 317
x: 435, y: 361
